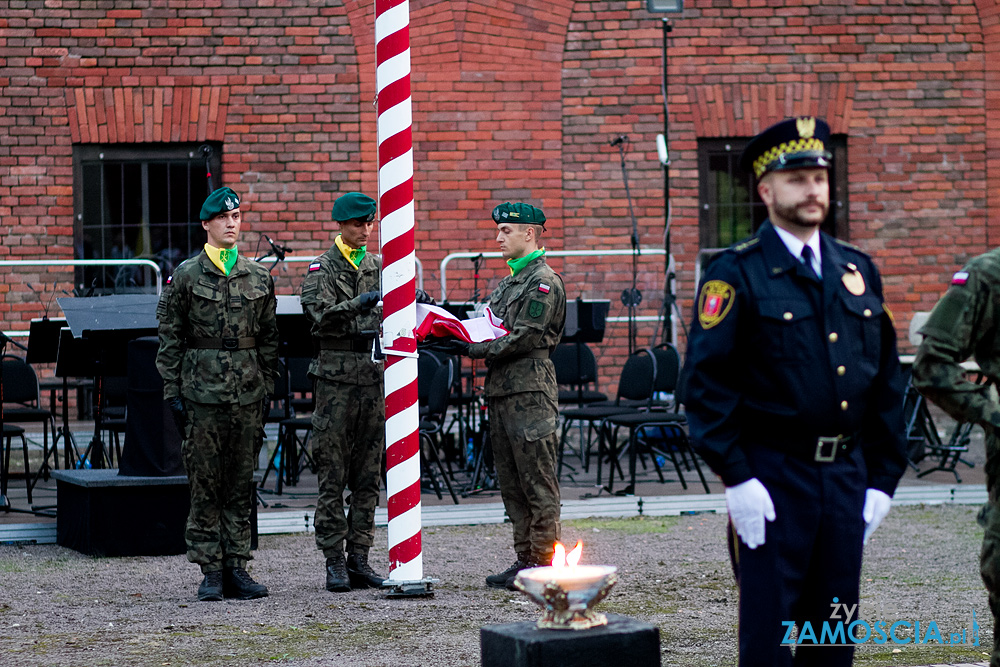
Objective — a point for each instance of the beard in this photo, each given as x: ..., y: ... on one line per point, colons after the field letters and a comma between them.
x: 795, y: 214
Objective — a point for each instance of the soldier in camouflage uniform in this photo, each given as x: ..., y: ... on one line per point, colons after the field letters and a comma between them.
x: 218, y: 355
x: 966, y: 323
x: 521, y: 388
x: 339, y: 296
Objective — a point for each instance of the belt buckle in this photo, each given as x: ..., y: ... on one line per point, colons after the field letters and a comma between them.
x: 821, y: 443
x: 230, y: 344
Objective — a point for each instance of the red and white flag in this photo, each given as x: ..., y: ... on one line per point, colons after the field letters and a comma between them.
x: 434, y: 321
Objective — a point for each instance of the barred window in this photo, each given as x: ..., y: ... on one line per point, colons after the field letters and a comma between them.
x: 137, y: 201
x: 731, y: 209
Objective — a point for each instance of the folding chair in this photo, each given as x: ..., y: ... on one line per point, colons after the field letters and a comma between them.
x: 21, y: 393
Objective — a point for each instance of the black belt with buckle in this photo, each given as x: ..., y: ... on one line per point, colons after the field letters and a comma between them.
x: 822, y: 449
x: 230, y: 344
x: 346, y: 345
x: 829, y: 447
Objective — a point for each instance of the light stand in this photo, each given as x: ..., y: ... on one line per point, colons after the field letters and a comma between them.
x: 663, y: 150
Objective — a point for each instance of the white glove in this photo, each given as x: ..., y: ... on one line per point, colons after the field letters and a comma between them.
x: 749, y: 504
x: 876, y: 507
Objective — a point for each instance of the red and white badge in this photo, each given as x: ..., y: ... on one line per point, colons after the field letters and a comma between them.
x: 315, y: 266
x: 960, y: 278
x: 543, y: 288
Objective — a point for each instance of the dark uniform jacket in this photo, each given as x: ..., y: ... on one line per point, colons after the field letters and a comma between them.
x: 773, y: 361
x: 200, y: 301
x: 532, y: 305
x: 965, y: 323
x: 330, y: 301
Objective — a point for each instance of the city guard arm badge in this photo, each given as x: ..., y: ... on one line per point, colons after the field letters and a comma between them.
x: 714, y: 302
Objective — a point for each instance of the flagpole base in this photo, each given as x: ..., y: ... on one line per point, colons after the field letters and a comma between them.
x: 419, y: 588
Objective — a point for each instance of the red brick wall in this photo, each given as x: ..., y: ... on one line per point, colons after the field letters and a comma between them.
x: 512, y: 101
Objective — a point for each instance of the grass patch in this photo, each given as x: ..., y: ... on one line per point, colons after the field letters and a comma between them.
x: 635, y: 525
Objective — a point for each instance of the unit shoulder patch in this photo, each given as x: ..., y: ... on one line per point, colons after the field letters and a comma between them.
x: 536, y: 309
x: 714, y: 302
x: 960, y: 278
x: 315, y: 266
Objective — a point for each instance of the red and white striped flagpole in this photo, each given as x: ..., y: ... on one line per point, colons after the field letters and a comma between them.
x: 395, y: 189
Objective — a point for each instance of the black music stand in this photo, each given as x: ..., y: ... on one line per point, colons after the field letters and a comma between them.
x: 73, y: 360
x: 108, y: 322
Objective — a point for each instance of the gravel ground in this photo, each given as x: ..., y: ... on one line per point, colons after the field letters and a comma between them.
x: 58, y: 607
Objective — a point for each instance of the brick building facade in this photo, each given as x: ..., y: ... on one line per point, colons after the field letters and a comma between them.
x: 513, y: 100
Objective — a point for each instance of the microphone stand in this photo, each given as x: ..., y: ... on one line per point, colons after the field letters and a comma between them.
x: 630, y: 297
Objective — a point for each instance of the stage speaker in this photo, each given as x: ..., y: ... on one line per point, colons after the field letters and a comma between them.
x: 152, y: 443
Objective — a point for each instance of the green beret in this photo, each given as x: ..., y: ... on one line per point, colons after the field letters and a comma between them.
x: 223, y: 199
x: 519, y: 213
x: 352, y: 206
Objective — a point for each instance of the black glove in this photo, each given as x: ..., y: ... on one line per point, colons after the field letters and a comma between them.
x: 265, y: 411
x: 178, y: 412
x: 369, y: 299
x: 451, y: 346
x: 424, y: 297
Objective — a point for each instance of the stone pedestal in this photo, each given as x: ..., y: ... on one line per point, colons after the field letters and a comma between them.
x: 623, y: 641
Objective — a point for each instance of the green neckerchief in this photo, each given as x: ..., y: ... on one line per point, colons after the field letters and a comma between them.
x: 224, y: 258
x: 517, y: 264
x: 352, y: 255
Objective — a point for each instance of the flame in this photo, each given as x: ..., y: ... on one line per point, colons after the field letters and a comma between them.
x: 561, y: 559
x: 573, y: 557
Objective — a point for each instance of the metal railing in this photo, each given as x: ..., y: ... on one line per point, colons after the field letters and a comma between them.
x: 301, y: 260
x: 551, y: 253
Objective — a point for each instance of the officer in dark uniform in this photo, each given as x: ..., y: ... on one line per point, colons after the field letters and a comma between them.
x: 794, y: 399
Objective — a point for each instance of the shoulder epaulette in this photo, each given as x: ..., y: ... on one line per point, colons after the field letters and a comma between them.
x: 850, y: 246
x: 743, y: 246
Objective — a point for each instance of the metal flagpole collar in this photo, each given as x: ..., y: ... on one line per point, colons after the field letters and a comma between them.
x: 412, y: 588
x: 408, y: 343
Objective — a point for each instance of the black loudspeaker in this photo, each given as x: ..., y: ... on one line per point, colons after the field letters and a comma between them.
x: 152, y: 443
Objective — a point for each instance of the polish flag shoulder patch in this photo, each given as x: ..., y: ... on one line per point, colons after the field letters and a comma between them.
x: 543, y: 288
x: 315, y: 266
x: 960, y: 278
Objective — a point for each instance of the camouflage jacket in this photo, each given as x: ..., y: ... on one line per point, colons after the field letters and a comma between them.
x: 532, y: 305
x: 965, y: 323
x: 202, y: 302
x: 330, y: 301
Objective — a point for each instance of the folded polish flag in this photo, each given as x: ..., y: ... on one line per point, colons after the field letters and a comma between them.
x: 434, y: 321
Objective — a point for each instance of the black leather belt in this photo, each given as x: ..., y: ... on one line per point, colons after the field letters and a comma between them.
x: 244, y: 343
x: 342, y: 345
x: 823, y: 449
x: 539, y: 354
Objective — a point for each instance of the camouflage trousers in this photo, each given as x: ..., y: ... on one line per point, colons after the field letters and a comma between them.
x: 989, y: 557
x: 347, y: 441
x: 220, y: 448
x: 523, y: 433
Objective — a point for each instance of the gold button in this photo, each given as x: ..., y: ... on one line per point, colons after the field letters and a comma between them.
x: 841, y: 370
x: 843, y: 405
x: 868, y: 312
x: 788, y: 316
x: 833, y: 337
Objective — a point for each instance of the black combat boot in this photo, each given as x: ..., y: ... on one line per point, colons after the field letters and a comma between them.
x: 500, y: 579
x: 361, y: 573
x: 533, y: 561
x: 336, y: 574
x: 211, y: 587
x: 237, y: 584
